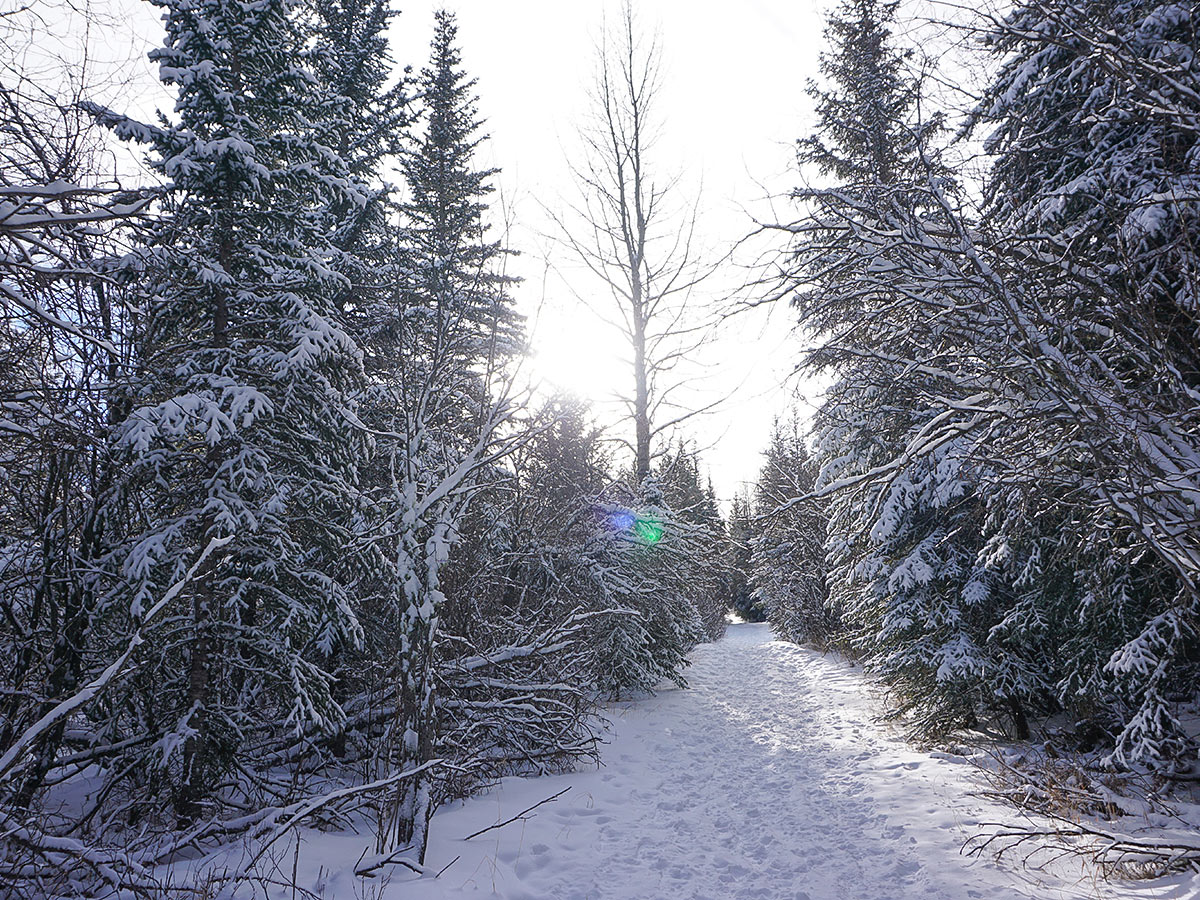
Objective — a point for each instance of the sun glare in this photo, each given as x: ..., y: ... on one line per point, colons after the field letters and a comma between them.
x: 581, y: 355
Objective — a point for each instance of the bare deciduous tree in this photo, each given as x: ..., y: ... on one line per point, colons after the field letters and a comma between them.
x: 630, y: 229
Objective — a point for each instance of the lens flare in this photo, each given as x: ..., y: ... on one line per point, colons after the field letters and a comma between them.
x: 645, y: 528
x: 622, y: 520
x: 649, y: 530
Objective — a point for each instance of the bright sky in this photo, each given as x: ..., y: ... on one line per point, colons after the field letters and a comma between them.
x: 732, y: 105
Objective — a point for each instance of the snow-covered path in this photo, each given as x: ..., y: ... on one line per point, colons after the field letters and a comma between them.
x: 766, y: 779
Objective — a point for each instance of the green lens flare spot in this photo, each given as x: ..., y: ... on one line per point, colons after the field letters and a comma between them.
x: 648, y: 530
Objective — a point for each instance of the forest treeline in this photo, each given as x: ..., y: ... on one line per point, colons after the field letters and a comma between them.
x: 283, y: 539
x: 997, y: 508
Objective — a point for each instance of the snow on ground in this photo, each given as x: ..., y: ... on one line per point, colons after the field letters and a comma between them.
x: 767, y: 778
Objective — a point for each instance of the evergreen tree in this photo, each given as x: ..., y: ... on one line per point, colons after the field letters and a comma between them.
x: 1008, y: 447
x: 906, y: 569
x: 446, y: 254
x: 364, y: 121
x: 703, y: 572
x: 660, y: 571
x: 242, y: 441
x: 1090, y: 202
x: 654, y: 582
x: 742, y: 532
x: 788, y: 549
x: 864, y: 112
x: 437, y: 350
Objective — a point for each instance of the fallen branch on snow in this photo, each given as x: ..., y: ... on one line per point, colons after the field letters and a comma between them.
x: 523, y: 814
x: 1114, y: 853
x: 1061, y: 799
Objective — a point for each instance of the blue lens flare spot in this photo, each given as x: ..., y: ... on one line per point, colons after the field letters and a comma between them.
x: 622, y: 520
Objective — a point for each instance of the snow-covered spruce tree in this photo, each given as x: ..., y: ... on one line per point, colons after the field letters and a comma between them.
x: 668, y: 556
x: 925, y: 598
x: 364, y: 120
x: 868, y: 147
x: 788, y: 547
x: 647, y: 553
x: 439, y: 404
x: 1047, y: 344
x: 241, y: 448
x: 904, y: 563
x: 702, y: 575
x: 1092, y: 204
x: 742, y: 590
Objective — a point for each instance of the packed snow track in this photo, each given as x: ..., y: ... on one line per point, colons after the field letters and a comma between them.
x: 767, y: 778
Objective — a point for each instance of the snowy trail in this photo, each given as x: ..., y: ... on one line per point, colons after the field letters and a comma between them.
x: 766, y: 779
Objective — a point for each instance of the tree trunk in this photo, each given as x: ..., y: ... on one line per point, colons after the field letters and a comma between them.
x: 404, y: 819
x: 407, y: 823
x: 641, y: 398
x: 1020, y: 721
x: 195, y: 747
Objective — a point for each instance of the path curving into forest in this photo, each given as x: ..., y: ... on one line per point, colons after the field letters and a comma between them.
x: 767, y: 778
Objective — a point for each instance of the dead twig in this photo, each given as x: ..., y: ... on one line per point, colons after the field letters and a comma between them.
x: 519, y: 816
x: 1115, y: 853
